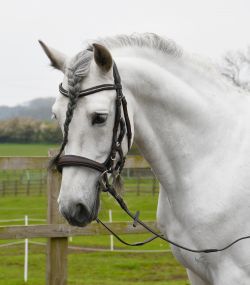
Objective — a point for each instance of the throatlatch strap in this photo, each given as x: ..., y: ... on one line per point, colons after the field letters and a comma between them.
x: 117, y: 80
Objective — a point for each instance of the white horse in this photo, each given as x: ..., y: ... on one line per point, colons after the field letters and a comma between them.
x: 190, y: 124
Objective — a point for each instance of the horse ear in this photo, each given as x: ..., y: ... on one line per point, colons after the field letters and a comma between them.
x: 57, y: 59
x: 102, y: 57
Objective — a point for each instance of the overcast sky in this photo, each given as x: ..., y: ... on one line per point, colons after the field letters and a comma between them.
x: 207, y: 27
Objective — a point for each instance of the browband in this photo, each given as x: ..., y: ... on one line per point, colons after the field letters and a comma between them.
x: 91, y: 90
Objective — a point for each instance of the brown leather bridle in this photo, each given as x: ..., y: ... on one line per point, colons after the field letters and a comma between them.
x: 114, y: 166
x: 120, y: 128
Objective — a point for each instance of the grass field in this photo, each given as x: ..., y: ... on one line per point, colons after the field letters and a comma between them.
x: 90, y: 268
x: 11, y: 149
x: 86, y: 268
x: 96, y: 268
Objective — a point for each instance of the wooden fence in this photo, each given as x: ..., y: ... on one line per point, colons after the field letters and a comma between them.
x: 56, y: 230
x: 33, y: 182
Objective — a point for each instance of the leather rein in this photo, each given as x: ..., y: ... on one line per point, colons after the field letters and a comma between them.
x: 113, y: 166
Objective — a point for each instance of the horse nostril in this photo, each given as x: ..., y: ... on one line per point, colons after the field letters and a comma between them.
x: 81, y: 214
x: 76, y: 214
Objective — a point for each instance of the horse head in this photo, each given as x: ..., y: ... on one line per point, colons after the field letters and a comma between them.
x: 94, y: 129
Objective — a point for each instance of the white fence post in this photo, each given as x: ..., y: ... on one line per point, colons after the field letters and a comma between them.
x: 26, y: 248
x: 111, y: 236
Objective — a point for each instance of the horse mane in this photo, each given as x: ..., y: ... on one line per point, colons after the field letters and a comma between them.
x: 82, y: 60
x: 168, y: 47
x: 148, y: 40
x: 152, y: 41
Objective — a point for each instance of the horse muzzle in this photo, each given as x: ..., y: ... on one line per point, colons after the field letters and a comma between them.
x: 77, y: 214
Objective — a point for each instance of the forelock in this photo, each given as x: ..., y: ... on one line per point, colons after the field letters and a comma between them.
x: 80, y: 63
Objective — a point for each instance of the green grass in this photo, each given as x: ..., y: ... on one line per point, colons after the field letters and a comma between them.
x: 96, y: 267
x: 11, y: 149
x: 19, y: 149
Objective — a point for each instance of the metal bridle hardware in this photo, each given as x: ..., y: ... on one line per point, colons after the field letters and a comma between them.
x: 108, y: 166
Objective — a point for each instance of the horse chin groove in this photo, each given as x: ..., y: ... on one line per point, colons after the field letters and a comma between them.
x: 78, y: 223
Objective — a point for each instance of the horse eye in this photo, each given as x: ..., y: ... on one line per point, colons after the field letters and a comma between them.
x: 99, y: 118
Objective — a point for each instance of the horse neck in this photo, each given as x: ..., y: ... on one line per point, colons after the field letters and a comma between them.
x: 181, y: 119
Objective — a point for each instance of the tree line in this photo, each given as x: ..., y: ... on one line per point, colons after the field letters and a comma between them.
x: 27, y: 130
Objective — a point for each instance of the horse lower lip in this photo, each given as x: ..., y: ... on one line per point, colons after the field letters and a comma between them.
x: 78, y: 223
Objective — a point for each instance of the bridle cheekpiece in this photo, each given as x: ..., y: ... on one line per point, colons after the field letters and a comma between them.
x: 121, y: 127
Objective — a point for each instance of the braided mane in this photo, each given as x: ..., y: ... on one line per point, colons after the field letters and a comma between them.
x: 77, y: 69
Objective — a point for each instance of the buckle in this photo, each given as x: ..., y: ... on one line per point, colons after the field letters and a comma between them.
x: 102, y: 182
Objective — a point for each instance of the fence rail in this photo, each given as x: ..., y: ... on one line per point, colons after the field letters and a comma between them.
x: 64, y: 230
x: 56, y: 231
